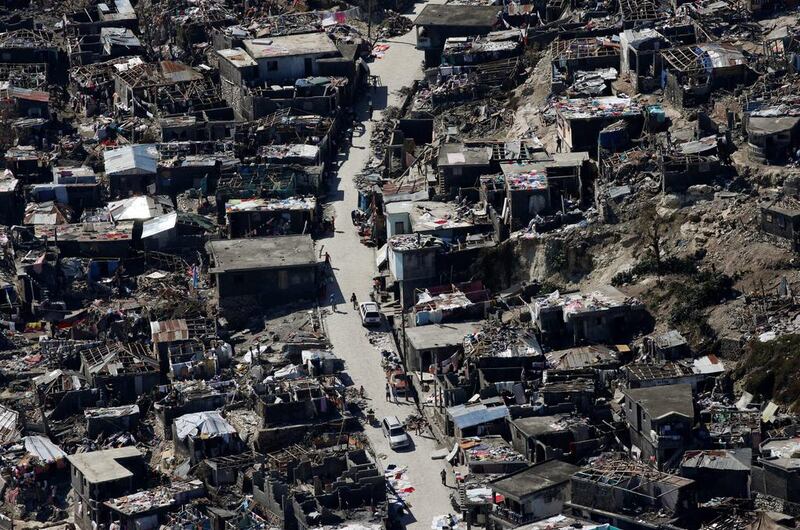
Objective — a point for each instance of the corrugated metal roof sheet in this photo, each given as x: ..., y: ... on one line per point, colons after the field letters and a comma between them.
x: 159, y: 224
x: 469, y: 416
x: 43, y: 449
x: 204, y: 424
x: 169, y: 331
x: 140, y: 159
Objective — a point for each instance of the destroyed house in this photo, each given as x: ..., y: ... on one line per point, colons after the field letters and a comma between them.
x: 291, y: 57
x: 777, y: 471
x: 434, y: 344
x: 76, y: 187
x: 111, y: 420
x: 139, y: 84
x: 638, y: 55
x: 536, y: 492
x: 722, y: 473
x: 602, y: 316
x: 489, y: 454
x: 568, y: 396
x: 580, y: 55
x: 176, y: 230
x: 201, y: 435
x: 637, y: 12
x: 579, y: 121
x: 270, y: 217
x: 437, y: 23
x: 458, y: 166
x: 187, y: 397
x: 541, y: 187
x: 265, y: 268
x: 679, y: 171
x: 583, y: 360
x: 348, y: 482
x: 772, y: 135
x: 413, y: 260
x: 660, y: 422
x: 301, y: 401
x: 565, y: 437
x: 451, y: 302
x: 460, y: 51
x: 644, y: 375
x: 26, y: 46
x: 97, y: 240
x: 101, y: 475
x: 781, y: 218
x: 128, y: 369
x: 630, y: 493
x: 732, y: 428
x: 691, y: 73
x: 12, y: 202
x: 151, y: 507
x: 449, y: 221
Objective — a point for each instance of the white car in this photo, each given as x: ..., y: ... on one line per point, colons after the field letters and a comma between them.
x: 395, y: 433
x: 370, y: 314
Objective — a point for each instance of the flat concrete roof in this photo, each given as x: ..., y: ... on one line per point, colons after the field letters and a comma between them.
x: 103, y: 466
x: 440, y: 335
x: 660, y: 401
x: 534, y: 479
x: 288, y: 45
x: 258, y: 253
x: 457, y: 15
x: 238, y: 57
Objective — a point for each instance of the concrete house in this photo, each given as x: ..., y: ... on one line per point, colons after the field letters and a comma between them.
x: 436, y: 23
x: 263, y: 268
x: 660, y: 421
x: 534, y: 493
x: 290, y: 57
x: 101, y: 475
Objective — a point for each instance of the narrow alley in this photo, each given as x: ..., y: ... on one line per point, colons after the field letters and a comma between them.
x: 353, y: 266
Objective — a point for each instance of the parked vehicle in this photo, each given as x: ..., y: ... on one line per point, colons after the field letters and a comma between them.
x: 395, y: 432
x: 370, y: 314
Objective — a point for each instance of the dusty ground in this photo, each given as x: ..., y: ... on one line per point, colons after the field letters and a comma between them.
x: 353, y: 267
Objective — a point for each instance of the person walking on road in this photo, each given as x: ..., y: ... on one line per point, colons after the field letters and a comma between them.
x: 354, y: 300
x: 327, y: 259
x: 444, y: 477
x: 388, y: 391
x: 333, y: 302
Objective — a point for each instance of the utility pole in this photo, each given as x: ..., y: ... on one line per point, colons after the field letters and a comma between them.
x: 369, y: 22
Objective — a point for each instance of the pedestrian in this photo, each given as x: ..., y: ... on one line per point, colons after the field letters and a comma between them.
x: 327, y: 259
x: 354, y: 299
x: 370, y: 108
x: 333, y: 302
x: 388, y: 392
x: 361, y: 391
x: 558, y: 144
x: 444, y: 477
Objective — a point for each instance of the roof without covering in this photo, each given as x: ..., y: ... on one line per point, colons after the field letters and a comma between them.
x: 289, y: 45
x: 534, y: 479
x: 457, y: 15
x: 259, y: 253
x: 440, y: 335
x: 738, y: 460
x: 98, y: 467
x: 661, y: 401
x: 237, y: 57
